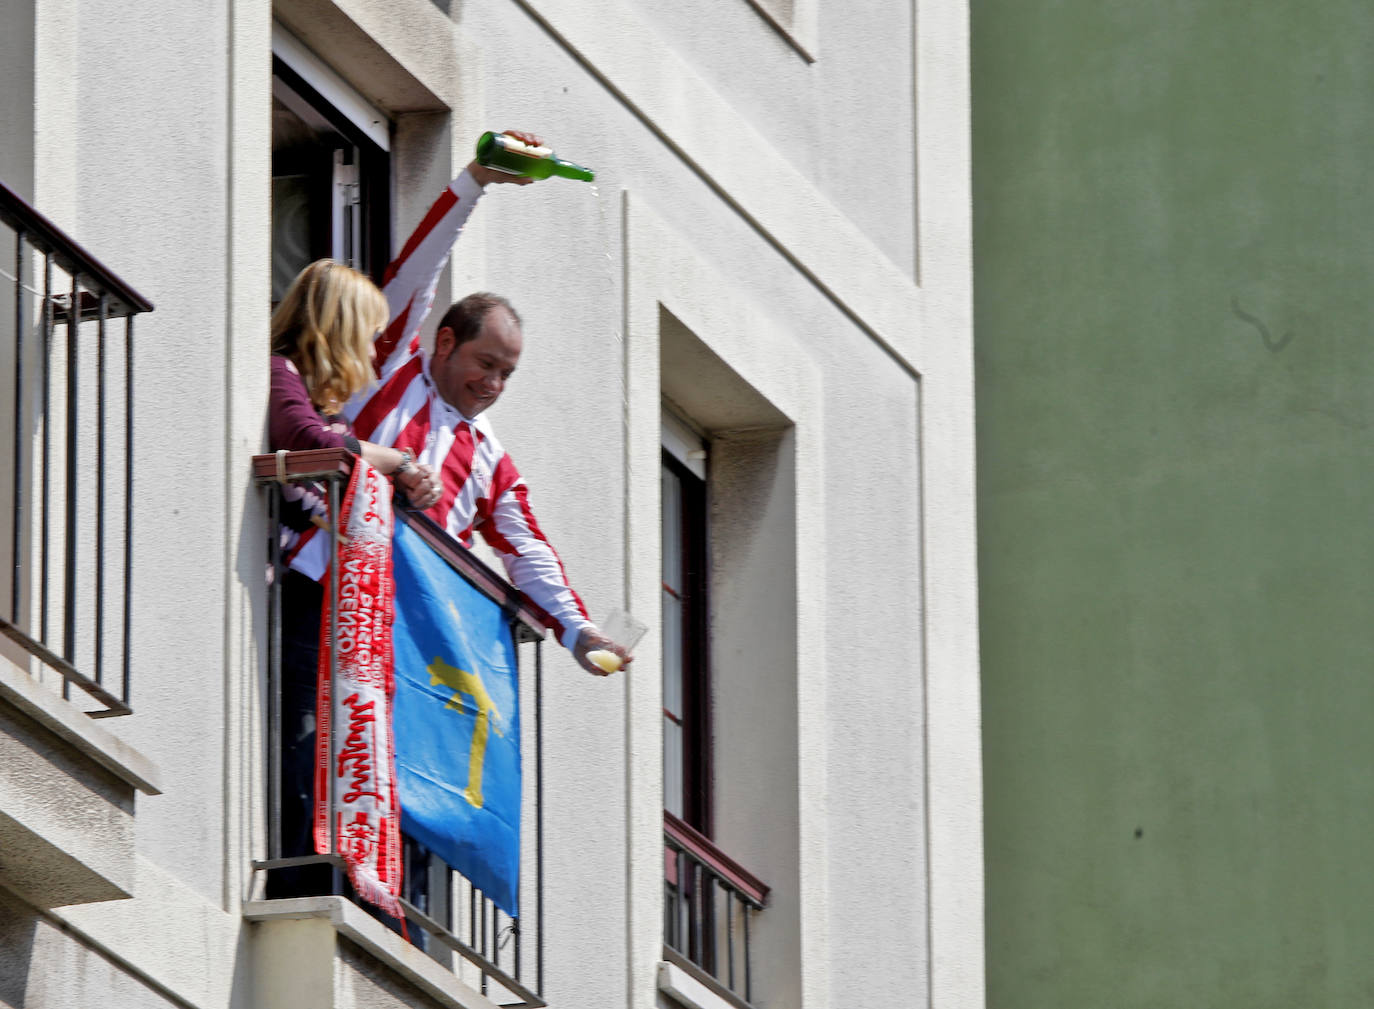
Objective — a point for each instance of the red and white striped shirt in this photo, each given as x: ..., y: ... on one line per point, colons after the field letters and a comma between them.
x: 482, y: 490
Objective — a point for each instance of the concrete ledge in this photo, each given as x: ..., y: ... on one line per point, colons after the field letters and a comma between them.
x: 67, y: 792
x: 148, y: 937
x: 290, y: 933
x: 399, y: 53
x: 692, y: 993
x: 47, y: 874
x: 66, y: 721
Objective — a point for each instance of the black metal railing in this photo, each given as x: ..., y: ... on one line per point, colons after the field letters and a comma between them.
x: 70, y: 484
x: 709, y: 905
x: 450, y: 914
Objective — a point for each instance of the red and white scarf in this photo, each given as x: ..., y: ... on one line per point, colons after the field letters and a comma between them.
x: 353, y: 740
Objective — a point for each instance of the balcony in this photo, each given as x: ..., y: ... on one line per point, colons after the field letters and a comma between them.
x: 60, y: 525
x: 465, y: 951
x: 710, y: 902
x: 67, y: 785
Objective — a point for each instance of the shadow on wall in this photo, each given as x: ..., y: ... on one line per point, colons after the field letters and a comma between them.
x: 18, y: 925
x: 44, y: 963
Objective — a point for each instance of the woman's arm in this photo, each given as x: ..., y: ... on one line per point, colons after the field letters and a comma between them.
x: 293, y: 422
x: 418, y: 481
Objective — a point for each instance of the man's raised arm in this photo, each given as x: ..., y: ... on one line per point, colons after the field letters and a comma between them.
x: 412, y: 277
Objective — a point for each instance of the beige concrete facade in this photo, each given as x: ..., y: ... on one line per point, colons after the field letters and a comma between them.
x: 777, y: 247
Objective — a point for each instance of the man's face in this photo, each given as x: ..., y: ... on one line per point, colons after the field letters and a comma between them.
x: 471, y: 376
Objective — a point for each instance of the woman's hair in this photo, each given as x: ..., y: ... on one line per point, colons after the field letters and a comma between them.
x: 325, y: 324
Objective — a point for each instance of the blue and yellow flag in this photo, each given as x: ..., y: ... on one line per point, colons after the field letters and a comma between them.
x: 457, y: 721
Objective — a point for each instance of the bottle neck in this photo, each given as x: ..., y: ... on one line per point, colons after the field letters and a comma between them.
x: 568, y: 170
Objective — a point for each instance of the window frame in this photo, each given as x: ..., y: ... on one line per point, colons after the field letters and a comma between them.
x: 369, y: 170
x: 695, y: 716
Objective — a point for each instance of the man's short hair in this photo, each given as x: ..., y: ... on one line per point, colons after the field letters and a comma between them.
x: 465, y: 317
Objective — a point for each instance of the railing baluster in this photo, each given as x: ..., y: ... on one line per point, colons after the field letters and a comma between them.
x: 699, y: 883
x: 73, y: 433
x: 46, y: 384
x: 539, y: 810
x: 495, y: 934
x: 100, y: 490
x: 274, y: 677
x: 482, y: 908
x: 708, y: 919
x: 748, y: 978
x: 717, y: 932
x: 730, y: 938
x: 669, y: 897
x: 20, y: 324
x: 450, y: 913
x: 718, y: 956
x: 684, y: 903
x: 128, y: 497
x: 675, y: 924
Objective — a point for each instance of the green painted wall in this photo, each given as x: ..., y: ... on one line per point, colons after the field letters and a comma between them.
x: 1175, y: 350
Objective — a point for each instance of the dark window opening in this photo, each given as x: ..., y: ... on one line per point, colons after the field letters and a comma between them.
x: 331, y: 185
x: 686, y: 679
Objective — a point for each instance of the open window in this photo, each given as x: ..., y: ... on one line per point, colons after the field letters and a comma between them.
x: 331, y: 174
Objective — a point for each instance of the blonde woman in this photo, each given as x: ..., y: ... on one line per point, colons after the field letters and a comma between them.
x: 322, y: 336
x: 322, y: 349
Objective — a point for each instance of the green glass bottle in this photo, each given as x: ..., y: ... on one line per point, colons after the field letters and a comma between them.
x: 508, y: 154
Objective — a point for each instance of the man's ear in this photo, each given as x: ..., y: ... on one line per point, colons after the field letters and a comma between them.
x: 444, y: 341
